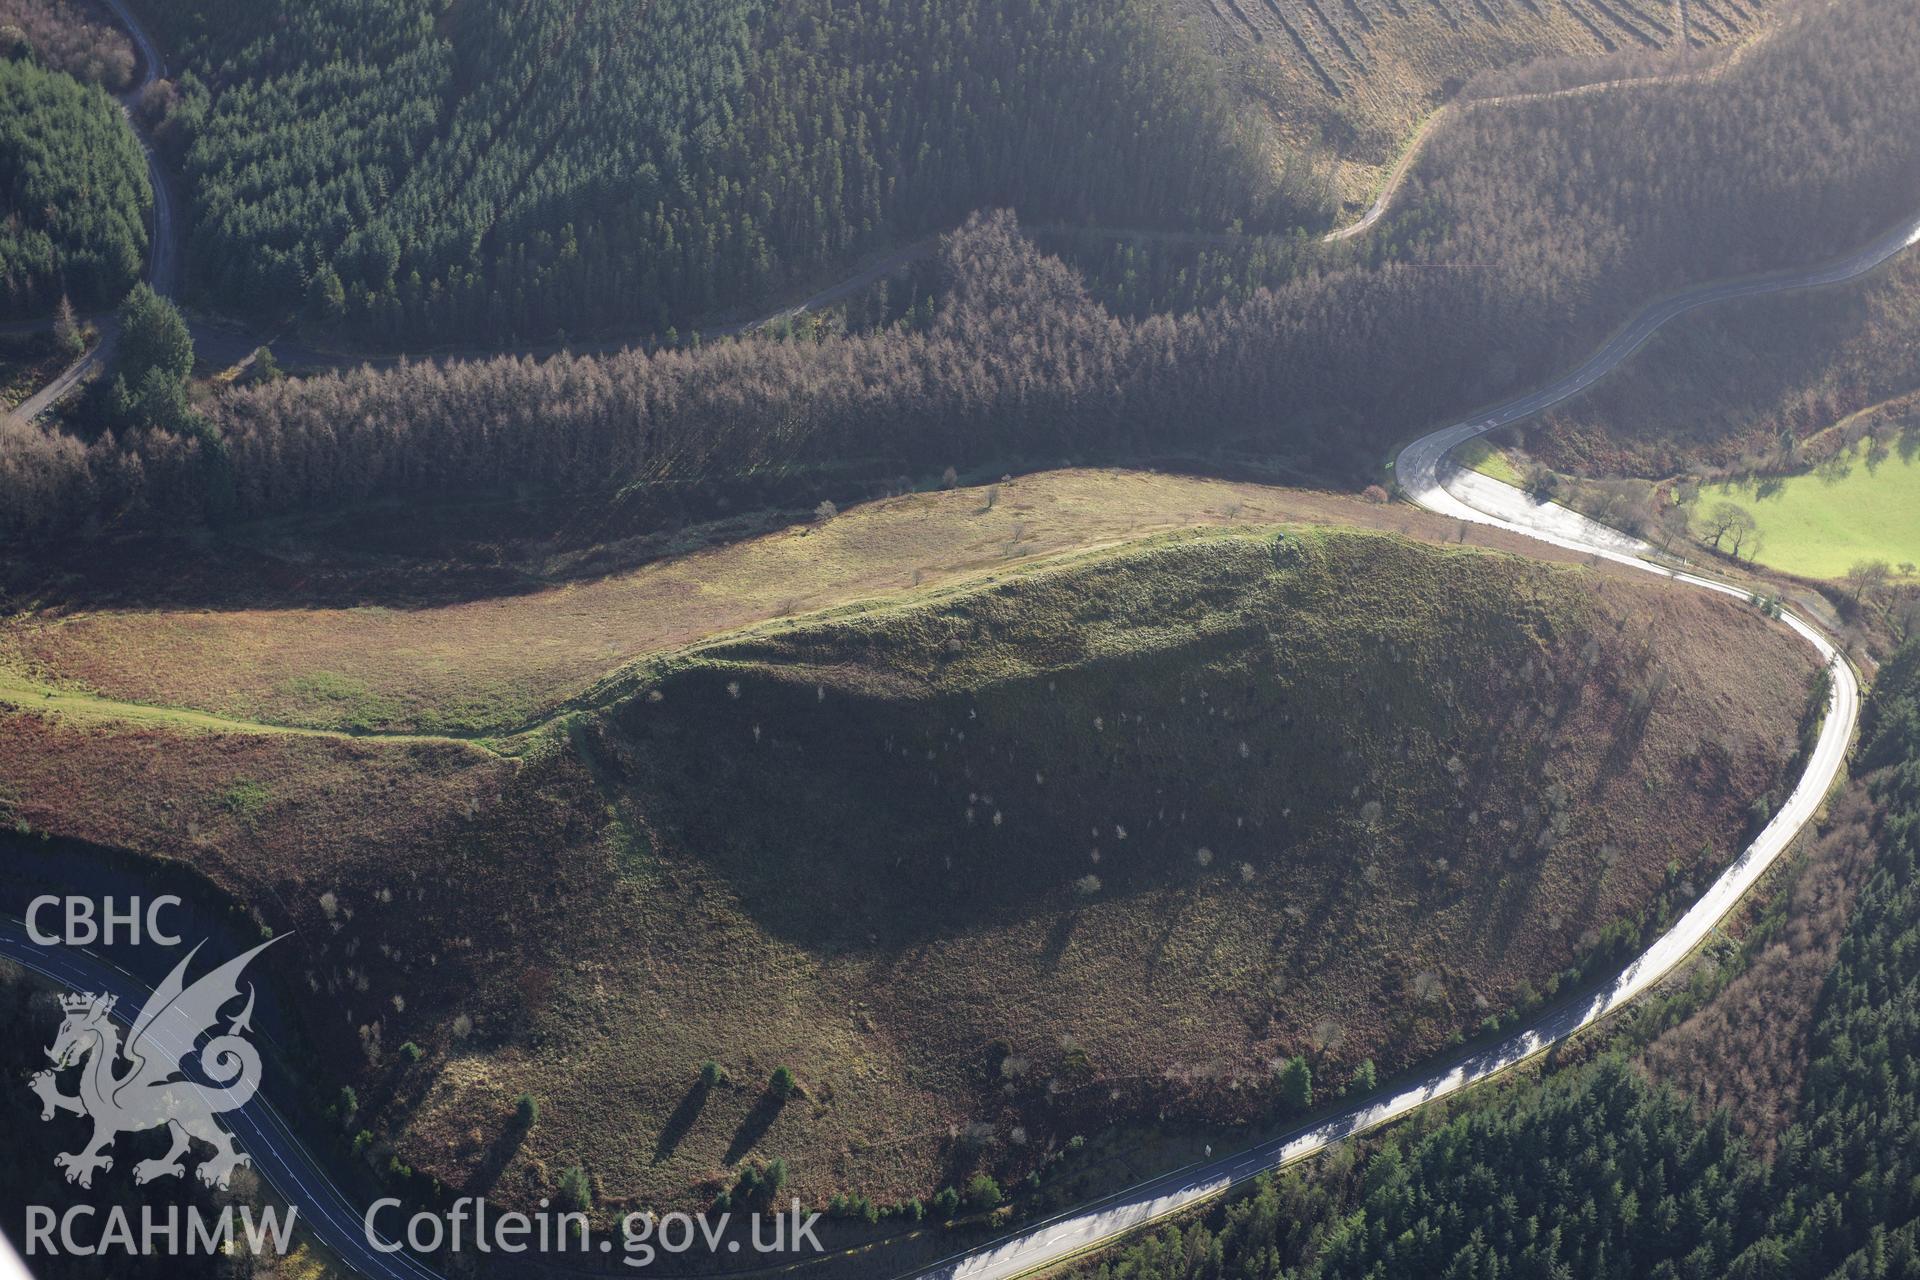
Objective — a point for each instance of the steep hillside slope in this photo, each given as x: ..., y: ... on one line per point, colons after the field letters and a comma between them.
x: 986, y: 868
x: 1483, y: 1192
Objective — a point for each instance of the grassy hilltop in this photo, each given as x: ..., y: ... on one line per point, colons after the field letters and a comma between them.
x: 327, y: 645
x: 987, y: 863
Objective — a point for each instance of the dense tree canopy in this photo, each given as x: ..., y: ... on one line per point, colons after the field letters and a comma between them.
x: 512, y: 169
x: 73, y: 193
x: 1504, y: 265
x: 153, y: 336
x: 1845, y: 1186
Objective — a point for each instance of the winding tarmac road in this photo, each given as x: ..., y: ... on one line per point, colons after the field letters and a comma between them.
x: 232, y: 345
x: 1431, y: 481
x: 276, y: 1152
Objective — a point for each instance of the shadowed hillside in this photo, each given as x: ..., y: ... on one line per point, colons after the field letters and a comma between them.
x: 997, y: 864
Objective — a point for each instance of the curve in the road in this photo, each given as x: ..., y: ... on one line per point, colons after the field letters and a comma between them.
x: 239, y: 344
x: 277, y: 1154
x: 163, y: 266
x: 1432, y: 482
x: 284, y: 1161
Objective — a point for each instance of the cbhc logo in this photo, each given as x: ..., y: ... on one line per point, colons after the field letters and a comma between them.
x: 110, y: 923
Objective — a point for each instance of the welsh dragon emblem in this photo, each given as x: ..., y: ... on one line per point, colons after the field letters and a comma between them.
x: 152, y: 1090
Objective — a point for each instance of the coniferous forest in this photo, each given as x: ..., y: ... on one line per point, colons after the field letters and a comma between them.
x: 500, y: 171
x: 72, y: 36
x: 73, y: 187
x: 1524, y: 237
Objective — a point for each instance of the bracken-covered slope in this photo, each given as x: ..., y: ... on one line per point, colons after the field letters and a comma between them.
x: 1659, y: 1188
x: 986, y: 868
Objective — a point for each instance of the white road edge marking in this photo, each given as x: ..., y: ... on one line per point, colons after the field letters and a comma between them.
x: 1424, y: 475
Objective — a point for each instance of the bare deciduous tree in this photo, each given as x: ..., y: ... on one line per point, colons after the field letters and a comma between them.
x: 1867, y: 577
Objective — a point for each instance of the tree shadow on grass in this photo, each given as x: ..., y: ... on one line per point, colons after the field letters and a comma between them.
x: 1058, y: 936
x: 681, y: 1121
x: 1174, y: 901
x: 505, y: 1145
x: 755, y: 1126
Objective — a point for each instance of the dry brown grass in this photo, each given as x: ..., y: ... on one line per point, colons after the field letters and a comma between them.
x: 494, y: 664
x: 889, y: 993
x: 549, y: 925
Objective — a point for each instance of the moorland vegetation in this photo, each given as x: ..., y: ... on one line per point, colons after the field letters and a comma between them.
x: 1597, y: 1171
x: 781, y: 849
